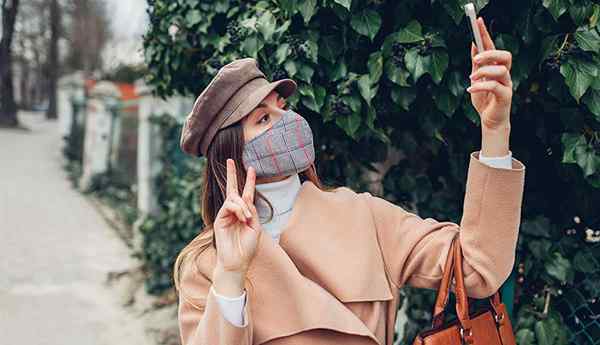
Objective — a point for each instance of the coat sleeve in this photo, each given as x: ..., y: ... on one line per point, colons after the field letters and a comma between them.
x: 415, y: 249
x: 200, y: 318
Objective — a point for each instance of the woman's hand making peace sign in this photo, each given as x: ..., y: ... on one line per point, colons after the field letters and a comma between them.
x: 236, y: 225
x: 491, y: 84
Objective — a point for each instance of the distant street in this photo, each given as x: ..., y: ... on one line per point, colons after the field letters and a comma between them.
x: 55, y: 250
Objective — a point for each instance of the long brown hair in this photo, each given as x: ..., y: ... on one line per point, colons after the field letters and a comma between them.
x: 227, y: 143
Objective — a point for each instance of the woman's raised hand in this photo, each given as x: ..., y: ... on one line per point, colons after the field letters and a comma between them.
x: 491, y: 85
x: 236, y: 225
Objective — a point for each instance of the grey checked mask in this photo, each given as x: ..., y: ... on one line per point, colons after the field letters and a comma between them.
x: 284, y: 149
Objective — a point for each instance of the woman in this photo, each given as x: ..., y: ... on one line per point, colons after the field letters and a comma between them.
x: 329, y: 267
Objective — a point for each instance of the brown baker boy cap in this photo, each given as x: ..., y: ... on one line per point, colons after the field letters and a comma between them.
x: 233, y: 93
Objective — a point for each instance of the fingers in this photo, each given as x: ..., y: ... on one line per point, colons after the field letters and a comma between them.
x: 488, y: 43
x: 232, y: 186
x: 248, y: 192
x: 499, y: 57
x: 495, y: 72
x: 240, y: 202
x: 233, y: 207
x: 499, y: 90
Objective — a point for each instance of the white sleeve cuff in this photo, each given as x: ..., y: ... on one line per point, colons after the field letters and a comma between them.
x: 232, y: 308
x: 504, y: 162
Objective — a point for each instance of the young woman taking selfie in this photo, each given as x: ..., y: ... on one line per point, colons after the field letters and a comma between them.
x: 283, y: 260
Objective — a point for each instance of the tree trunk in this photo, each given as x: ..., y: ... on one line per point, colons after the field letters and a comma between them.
x: 8, y: 106
x: 53, y: 65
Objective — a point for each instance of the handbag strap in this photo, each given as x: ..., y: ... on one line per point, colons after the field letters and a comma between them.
x: 452, y: 270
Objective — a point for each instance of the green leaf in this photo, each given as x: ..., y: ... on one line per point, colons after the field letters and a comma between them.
x: 411, y: 33
x: 584, y: 262
x: 375, y: 65
x: 417, y: 64
x: 330, y: 47
x: 193, y: 17
x: 556, y: 7
x: 445, y: 101
x: 578, y: 76
x: 282, y: 52
x: 588, y: 39
x: 525, y: 337
x: 592, y: 100
x: 366, y: 23
x: 543, y: 333
x: 456, y: 10
x: 439, y: 63
x: 404, y: 96
x: 340, y: 70
x: 251, y: 45
x: 539, y: 248
x: 539, y: 227
x: 307, y: 8
x: 507, y: 42
x: 365, y: 89
x: 266, y: 25
x: 313, y: 97
x: 395, y: 73
x: 290, y: 67
x: 344, y: 3
x: 349, y: 124
x: 305, y: 72
x: 558, y: 267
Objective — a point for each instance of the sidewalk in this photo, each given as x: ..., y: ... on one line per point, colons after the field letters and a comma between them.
x: 55, y: 250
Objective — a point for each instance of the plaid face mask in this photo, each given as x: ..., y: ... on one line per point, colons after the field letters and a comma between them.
x: 284, y: 149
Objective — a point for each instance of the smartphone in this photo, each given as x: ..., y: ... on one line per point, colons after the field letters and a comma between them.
x: 471, y: 15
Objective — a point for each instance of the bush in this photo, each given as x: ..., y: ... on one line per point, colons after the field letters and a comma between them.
x: 375, y: 74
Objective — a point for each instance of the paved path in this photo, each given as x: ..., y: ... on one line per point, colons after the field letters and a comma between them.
x: 55, y: 250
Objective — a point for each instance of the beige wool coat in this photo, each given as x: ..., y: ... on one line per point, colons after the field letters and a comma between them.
x: 334, y: 276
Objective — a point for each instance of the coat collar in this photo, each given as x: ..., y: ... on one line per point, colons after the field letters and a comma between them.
x: 326, y: 256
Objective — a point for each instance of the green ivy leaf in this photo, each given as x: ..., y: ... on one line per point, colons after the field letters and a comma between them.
x: 439, y: 63
x: 455, y: 8
x: 410, y: 34
x: 340, y: 70
x: 592, y: 100
x: 365, y: 89
x: 251, y: 45
x: 540, y: 226
x: 290, y: 67
x: 525, y: 337
x: 444, y: 100
x: 305, y: 72
x: 577, y: 150
x: 349, y: 124
x: 404, y: 96
x: 558, y: 267
x: 396, y: 74
x: 193, y: 17
x: 588, y: 39
x: 417, y: 64
x: 556, y: 7
x: 330, y: 47
x: 266, y: 25
x: 375, y: 65
x: 313, y: 97
x: 282, y: 53
x: 578, y: 76
x: 307, y: 8
x: 345, y: 3
x: 584, y: 262
x: 366, y: 23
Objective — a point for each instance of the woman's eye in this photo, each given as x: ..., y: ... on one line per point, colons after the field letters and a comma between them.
x: 266, y: 116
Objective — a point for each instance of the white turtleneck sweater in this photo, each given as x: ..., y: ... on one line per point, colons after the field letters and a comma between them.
x: 282, y: 195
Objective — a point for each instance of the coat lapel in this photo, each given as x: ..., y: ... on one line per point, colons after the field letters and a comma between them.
x: 328, y: 255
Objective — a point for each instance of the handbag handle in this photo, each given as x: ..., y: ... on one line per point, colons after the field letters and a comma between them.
x: 452, y: 270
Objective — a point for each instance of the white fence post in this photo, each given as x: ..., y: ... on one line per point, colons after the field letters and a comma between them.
x: 98, y: 133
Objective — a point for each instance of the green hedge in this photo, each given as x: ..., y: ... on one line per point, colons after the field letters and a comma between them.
x: 375, y: 74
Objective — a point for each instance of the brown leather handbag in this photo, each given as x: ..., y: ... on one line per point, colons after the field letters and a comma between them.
x: 489, y: 325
